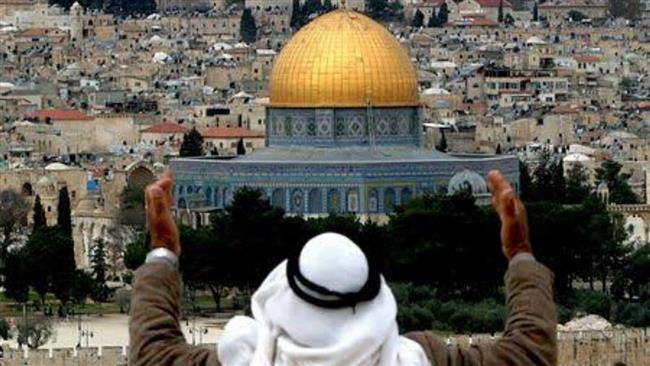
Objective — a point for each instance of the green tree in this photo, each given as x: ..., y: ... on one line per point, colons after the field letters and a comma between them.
x: 51, y: 261
x: 630, y: 9
x: 577, y: 184
x: 296, y: 15
x: 272, y: 240
x: 82, y: 287
x: 433, y: 20
x: 548, y: 179
x: 192, y: 144
x: 525, y: 182
x: 17, y: 275
x: 459, y: 232
x: 418, y: 19
x: 39, y: 214
x: 99, y: 266
x: 576, y: 16
x: 248, y: 28
x: 536, y: 13
x: 620, y: 192
x: 327, y: 5
x: 64, y: 214
x: 384, y: 10
x: 136, y: 252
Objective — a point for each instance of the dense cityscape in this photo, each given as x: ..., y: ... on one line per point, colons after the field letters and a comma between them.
x: 283, y: 119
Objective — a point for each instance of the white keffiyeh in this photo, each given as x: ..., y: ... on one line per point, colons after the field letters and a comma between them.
x: 288, y: 331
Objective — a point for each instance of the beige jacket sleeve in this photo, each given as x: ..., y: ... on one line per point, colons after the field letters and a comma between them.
x: 530, y: 337
x: 154, y: 329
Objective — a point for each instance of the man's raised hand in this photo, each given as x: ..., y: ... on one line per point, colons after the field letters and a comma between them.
x: 512, y: 212
x: 161, y: 225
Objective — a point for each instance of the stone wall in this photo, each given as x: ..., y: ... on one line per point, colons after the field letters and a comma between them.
x: 595, y: 348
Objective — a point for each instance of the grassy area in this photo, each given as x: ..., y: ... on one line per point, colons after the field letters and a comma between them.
x: 10, y: 308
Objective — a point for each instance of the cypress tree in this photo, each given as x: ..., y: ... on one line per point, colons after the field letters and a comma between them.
x: 535, y: 13
x: 40, y: 220
x: 241, y: 149
x: 418, y: 19
x: 64, y: 216
x: 442, y: 145
x: 443, y: 15
x: 98, y: 265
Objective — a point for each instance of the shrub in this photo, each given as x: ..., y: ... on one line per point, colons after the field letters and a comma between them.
x: 33, y: 331
x: 123, y: 300
x: 591, y: 302
x: 633, y: 314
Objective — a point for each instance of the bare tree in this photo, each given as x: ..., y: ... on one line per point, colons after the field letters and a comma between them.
x: 33, y: 331
x: 13, y: 214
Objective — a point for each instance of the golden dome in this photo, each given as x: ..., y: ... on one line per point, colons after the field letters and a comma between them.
x: 343, y: 59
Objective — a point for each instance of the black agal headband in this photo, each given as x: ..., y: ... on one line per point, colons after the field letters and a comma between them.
x: 325, y: 298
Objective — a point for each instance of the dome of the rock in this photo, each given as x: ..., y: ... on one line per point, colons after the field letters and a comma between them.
x: 343, y: 60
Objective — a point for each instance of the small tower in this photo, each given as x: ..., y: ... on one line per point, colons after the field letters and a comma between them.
x: 76, y: 22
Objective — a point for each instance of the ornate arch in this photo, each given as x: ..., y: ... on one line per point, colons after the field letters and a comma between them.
x: 278, y: 198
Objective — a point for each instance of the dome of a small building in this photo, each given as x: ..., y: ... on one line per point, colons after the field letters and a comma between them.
x: 57, y: 166
x: 46, y: 186
x: 468, y: 179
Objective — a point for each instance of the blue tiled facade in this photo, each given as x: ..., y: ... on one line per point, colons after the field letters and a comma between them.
x: 343, y: 127
x: 321, y: 161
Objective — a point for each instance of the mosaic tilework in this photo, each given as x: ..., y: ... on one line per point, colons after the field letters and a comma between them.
x: 305, y: 188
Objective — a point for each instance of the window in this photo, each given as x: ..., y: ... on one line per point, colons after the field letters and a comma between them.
x: 353, y: 200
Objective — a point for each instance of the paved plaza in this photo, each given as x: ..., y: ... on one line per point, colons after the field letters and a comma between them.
x: 113, y: 330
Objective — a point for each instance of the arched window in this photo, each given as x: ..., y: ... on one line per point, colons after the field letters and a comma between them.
x: 334, y: 201
x: 407, y: 195
x: 389, y: 200
x: 297, y: 202
x: 225, y: 197
x: 373, y: 201
x: 181, y: 190
x: 353, y: 200
x: 315, y: 201
x: 278, y: 198
x: 27, y: 190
